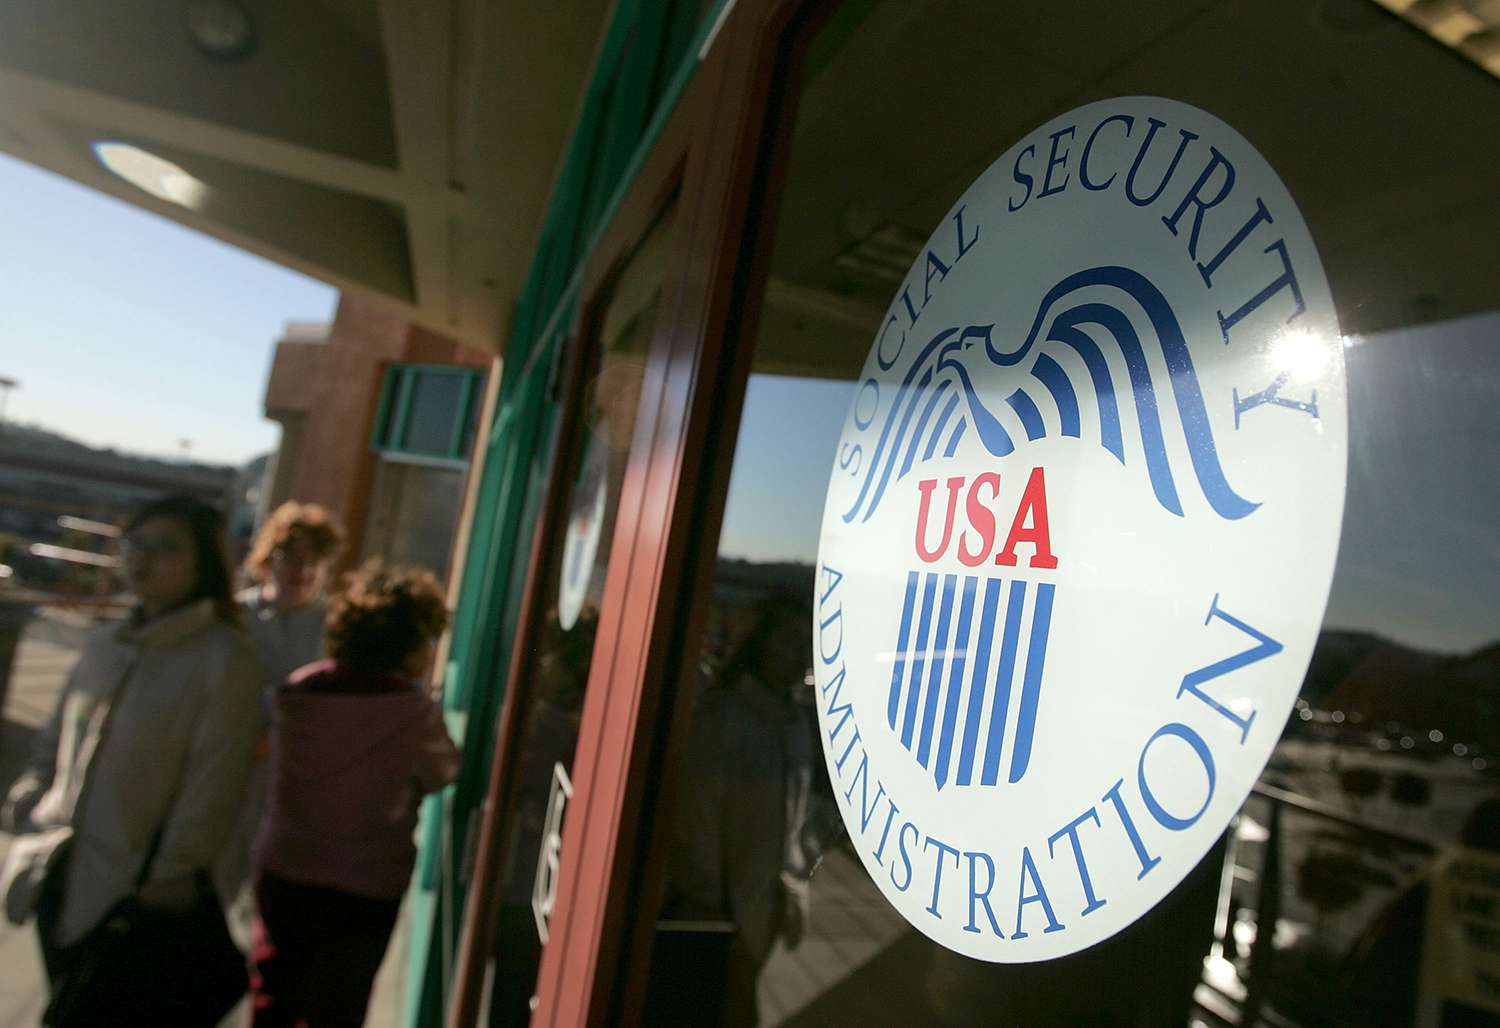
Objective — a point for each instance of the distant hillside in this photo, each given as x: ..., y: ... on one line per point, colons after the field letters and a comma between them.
x: 33, y: 441
x: 1366, y: 674
x: 737, y: 580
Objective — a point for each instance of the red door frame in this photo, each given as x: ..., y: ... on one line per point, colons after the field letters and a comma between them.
x: 672, y: 175
x: 639, y: 700
x: 599, y: 837
x: 713, y: 161
x: 771, y: 42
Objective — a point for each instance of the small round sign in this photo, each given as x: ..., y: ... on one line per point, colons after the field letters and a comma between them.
x: 1080, y: 530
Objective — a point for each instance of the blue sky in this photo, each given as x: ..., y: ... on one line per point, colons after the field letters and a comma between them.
x: 131, y: 331
x: 788, y: 433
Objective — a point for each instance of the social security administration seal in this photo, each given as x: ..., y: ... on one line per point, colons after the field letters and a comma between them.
x: 1080, y: 530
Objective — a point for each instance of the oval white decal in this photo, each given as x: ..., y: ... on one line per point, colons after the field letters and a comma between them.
x: 585, y: 523
x: 1080, y: 530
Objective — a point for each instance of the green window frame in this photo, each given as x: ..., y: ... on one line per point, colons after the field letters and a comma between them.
x: 395, y: 417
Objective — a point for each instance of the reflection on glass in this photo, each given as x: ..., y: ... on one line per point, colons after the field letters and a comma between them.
x: 412, y: 511
x: 743, y: 848
x: 1359, y: 876
x: 553, y: 680
x: 436, y: 397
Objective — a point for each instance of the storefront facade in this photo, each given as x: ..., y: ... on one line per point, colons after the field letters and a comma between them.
x: 664, y: 814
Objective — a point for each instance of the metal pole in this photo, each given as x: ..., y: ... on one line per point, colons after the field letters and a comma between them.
x: 6, y: 385
x: 1267, y: 913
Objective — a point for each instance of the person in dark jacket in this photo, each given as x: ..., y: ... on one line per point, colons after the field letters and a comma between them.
x: 356, y: 742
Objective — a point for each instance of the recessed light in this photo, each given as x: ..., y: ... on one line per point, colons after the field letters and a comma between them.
x: 156, y: 175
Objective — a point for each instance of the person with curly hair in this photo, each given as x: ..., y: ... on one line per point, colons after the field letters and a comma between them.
x: 356, y: 742
x: 291, y: 562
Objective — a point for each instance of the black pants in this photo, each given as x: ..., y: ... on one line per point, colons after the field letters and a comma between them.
x: 315, y: 953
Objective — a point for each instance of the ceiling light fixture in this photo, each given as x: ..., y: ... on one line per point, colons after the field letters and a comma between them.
x: 156, y: 175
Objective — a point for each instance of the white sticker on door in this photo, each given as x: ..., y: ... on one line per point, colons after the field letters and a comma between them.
x: 1079, y: 530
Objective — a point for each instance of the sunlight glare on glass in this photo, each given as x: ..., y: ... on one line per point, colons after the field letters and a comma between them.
x: 156, y: 175
x: 1300, y: 354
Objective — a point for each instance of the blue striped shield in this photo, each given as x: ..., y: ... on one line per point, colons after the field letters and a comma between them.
x: 950, y: 680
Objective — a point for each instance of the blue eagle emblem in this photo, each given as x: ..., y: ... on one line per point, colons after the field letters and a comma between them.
x: 961, y: 653
x: 926, y: 413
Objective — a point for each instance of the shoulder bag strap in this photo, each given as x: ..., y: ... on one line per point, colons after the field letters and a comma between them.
x: 90, y: 771
x: 111, y: 704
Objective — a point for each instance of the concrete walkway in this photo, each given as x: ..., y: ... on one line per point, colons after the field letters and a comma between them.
x: 43, y: 659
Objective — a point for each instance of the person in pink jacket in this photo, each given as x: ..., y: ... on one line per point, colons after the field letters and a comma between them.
x: 356, y: 742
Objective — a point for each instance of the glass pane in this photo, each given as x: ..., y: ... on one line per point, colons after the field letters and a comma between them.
x: 572, y: 577
x: 1362, y: 870
x: 435, y: 401
x: 414, y: 511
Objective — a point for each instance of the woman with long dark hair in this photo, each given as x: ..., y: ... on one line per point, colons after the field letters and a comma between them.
x: 134, y: 787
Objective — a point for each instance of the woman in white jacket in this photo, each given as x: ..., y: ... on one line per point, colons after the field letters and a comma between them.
x: 137, y: 779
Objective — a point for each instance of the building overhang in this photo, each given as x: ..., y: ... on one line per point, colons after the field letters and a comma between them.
x: 399, y: 149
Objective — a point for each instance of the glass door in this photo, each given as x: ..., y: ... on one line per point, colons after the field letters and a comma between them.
x: 1356, y: 884
x: 550, y: 675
